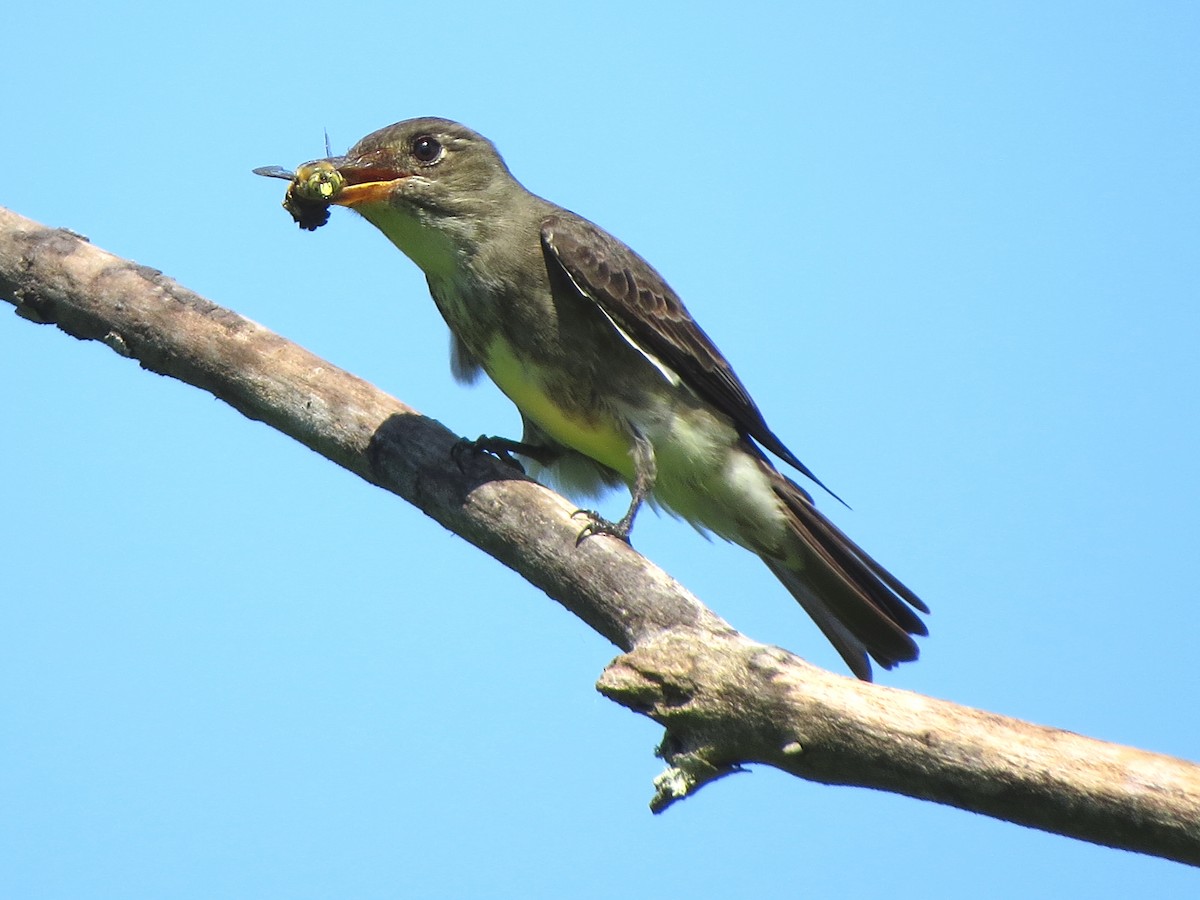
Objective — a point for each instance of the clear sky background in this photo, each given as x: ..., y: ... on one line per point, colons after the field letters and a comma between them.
x: 953, y: 250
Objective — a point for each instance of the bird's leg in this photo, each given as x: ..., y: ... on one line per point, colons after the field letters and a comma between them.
x: 502, y: 449
x: 645, y: 471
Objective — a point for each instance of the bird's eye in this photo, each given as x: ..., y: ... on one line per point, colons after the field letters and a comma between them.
x: 427, y: 149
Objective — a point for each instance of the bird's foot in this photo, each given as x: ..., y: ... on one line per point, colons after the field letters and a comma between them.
x: 597, y: 524
x: 500, y: 448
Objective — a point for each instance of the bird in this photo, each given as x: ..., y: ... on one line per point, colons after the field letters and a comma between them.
x: 615, y: 382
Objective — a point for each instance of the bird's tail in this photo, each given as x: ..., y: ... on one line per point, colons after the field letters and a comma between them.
x: 862, y: 608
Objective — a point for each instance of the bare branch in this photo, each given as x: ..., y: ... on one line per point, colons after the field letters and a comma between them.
x: 725, y: 700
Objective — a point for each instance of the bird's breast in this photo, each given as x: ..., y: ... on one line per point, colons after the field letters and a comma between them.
x: 549, y: 404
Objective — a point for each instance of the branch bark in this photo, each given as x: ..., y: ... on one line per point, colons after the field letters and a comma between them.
x: 724, y: 700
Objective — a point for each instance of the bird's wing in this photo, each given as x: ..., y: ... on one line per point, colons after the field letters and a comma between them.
x: 639, y: 302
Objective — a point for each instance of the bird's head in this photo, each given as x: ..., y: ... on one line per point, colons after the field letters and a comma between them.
x: 431, y: 185
x: 429, y: 164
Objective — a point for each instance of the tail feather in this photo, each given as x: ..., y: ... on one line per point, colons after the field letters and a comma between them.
x: 847, y: 644
x: 862, y: 608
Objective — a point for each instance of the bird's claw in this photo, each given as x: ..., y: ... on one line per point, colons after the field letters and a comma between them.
x: 597, y: 524
x: 483, y: 444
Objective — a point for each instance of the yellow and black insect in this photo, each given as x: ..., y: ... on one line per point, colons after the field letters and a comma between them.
x: 314, y: 186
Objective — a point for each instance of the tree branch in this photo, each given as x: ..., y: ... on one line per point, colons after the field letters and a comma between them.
x: 725, y: 700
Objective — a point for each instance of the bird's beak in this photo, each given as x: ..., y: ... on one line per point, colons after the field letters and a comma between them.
x: 342, y: 181
x: 348, y: 182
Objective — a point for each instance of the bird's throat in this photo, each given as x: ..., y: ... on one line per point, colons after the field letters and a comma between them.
x: 437, y: 254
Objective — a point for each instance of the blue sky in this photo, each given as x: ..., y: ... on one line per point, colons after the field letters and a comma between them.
x: 951, y: 249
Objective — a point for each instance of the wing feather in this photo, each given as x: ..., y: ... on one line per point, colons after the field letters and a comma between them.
x: 643, y: 306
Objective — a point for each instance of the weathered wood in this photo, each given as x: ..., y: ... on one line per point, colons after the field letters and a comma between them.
x: 725, y: 701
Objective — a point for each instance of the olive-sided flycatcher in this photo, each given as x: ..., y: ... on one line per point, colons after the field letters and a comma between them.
x: 615, y: 382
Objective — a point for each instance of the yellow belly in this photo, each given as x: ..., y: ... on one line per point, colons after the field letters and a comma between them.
x: 593, y: 437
